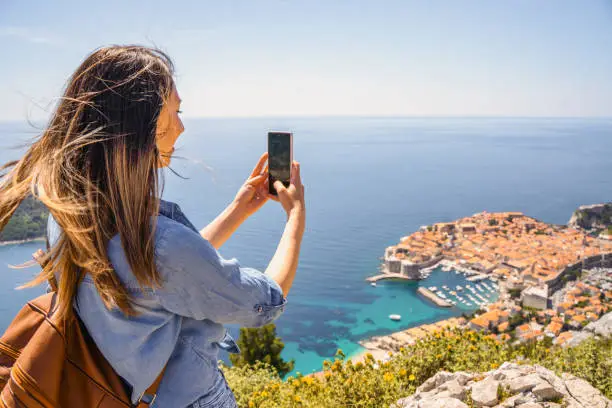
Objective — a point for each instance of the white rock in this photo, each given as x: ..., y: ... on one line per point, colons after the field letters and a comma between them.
x: 484, y: 393
x: 546, y: 392
x: 552, y: 379
x: 407, y: 402
x: 508, y: 365
x: 435, y: 381
x: 506, y: 374
x: 525, y: 383
x: 442, y: 403
x: 530, y: 405
x: 515, y: 400
x: 463, y: 378
x: 429, y: 403
x: 585, y: 393
x: 454, y: 389
x: 577, y: 338
x: 602, y: 327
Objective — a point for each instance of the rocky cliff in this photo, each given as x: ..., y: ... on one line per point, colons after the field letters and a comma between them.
x: 511, y: 385
x: 596, y: 216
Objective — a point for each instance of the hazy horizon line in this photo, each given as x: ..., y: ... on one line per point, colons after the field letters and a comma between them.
x: 365, y: 116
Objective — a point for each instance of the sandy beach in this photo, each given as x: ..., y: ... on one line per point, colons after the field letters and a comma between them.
x: 381, y: 346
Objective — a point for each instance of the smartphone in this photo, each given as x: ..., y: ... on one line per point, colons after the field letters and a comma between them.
x: 280, y: 157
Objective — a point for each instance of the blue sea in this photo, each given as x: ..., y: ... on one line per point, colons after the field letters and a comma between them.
x: 369, y: 181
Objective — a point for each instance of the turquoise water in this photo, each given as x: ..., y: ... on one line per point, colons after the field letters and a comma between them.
x: 369, y: 182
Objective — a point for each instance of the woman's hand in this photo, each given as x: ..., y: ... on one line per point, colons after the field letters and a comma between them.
x: 292, y: 197
x: 254, y: 192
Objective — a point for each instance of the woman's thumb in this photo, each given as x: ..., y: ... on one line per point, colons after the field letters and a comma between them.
x: 279, y: 186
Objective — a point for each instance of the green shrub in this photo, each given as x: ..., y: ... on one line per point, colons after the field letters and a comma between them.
x: 373, y: 383
x: 261, y: 344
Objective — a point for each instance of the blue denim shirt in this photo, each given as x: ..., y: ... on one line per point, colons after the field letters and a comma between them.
x: 179, y: 325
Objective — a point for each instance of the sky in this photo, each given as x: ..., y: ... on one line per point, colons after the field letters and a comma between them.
x: 329, y: 57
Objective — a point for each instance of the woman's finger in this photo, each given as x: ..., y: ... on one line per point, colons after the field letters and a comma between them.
x: 260, y: 164
x: 255, y: 180
x: 296, y: 178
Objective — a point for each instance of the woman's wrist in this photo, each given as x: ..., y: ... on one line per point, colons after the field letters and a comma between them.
x: 236, y: 211
x: 297, y: 217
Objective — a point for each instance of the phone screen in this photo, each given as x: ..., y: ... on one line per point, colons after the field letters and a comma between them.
x: 279, y: 158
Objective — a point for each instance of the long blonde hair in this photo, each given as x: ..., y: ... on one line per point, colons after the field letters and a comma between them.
x: 95, y: 167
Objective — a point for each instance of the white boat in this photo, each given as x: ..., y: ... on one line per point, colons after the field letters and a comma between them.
x: 459, y: 288
x: 373, y: 283
x: 433, y: 288
x: 395, y: 317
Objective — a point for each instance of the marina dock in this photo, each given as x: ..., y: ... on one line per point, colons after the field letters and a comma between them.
x: 387, y: 276
x: 428, y: 294
x: 477, y: 278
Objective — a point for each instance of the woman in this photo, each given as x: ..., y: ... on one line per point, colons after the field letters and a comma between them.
x: 152, y: 291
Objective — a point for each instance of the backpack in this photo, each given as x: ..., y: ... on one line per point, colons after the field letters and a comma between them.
x: 48, y: 363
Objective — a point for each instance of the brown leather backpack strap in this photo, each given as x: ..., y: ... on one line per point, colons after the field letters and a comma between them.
x: 148, y: 397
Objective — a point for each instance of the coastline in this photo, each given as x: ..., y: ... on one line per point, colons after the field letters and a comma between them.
x: 23, y: 241
x: 382, y: 346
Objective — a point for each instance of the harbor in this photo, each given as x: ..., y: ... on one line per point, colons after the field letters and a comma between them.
x: 470, y: 295
x: 429, y: 295
x: 475, y: 291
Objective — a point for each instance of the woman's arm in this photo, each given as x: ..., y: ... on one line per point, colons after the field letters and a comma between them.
x: 251, y: 196
x: 222, y: 227
x: 284, y: 263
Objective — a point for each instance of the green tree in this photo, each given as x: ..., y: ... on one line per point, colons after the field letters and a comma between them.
x: 515, y: 293
x: 261, y: 344
x: 28, y: 221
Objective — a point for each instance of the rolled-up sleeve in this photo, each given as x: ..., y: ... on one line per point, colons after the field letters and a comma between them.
x: 199, y: 283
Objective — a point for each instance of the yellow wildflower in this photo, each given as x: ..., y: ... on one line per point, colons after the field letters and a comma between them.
x: 388, y: 377
x: 402, y: 372
x: 412, y: 377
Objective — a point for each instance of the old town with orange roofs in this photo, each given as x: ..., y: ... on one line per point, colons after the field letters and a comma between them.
x: 553, y: 280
